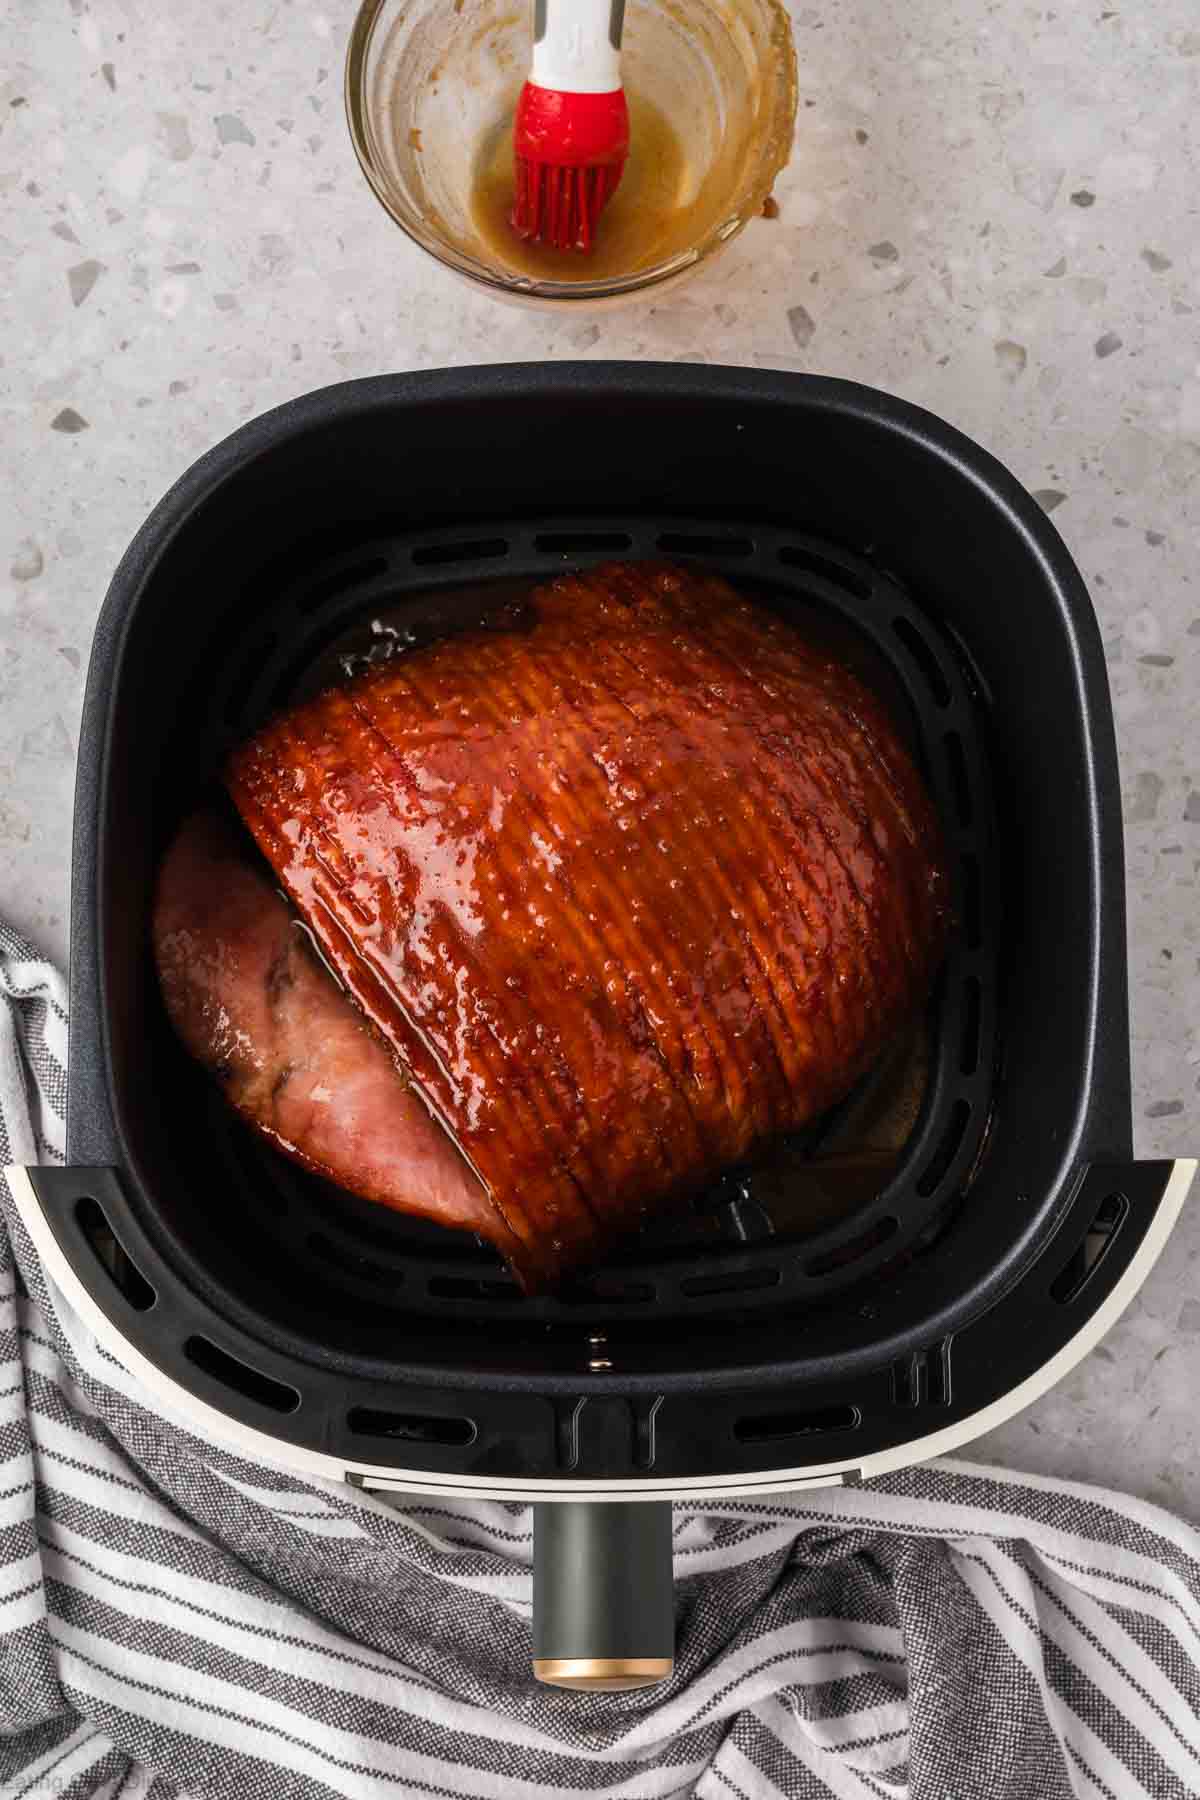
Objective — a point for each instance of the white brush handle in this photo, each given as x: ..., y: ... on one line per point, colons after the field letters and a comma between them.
x: 577, y: 45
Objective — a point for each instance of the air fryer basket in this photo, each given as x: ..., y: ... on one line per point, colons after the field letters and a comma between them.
x: 735, y: 1347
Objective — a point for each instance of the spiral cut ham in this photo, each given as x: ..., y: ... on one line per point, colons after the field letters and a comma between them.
x: 625, y: 889
x: 251, y: 1000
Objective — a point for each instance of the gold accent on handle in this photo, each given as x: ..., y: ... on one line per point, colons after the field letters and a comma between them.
x: 608, y: 1674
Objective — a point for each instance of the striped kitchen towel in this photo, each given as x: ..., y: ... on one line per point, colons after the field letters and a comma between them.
x: 176, y: 1621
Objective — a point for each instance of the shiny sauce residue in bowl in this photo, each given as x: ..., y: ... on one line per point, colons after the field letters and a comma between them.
x: 651, y: 217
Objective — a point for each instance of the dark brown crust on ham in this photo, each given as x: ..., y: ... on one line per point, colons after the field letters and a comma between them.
x: 628, y: 890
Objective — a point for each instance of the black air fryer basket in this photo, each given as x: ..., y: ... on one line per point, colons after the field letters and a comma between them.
x: 744, y: 1348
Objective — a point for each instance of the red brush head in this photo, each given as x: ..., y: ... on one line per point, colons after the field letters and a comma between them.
x: 577, y: 131
x: 570, y: 154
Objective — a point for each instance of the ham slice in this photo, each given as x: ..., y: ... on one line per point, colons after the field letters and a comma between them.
x: 627, y: 888
x: 252, y: 1002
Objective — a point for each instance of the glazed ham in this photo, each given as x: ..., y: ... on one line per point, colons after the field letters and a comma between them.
x: 251, y: 1001
x: 621, y: 891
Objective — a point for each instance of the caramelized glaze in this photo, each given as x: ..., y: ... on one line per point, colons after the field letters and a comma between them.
x: 628, y: 887
x: 249, y: 998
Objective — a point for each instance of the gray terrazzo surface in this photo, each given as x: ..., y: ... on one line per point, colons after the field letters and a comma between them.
x: 991, y: 210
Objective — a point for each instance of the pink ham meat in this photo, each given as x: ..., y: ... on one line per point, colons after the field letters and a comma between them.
x: 252, y: 1002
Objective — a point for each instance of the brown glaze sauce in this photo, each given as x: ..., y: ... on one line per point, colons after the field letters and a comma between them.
x: 652, y: 215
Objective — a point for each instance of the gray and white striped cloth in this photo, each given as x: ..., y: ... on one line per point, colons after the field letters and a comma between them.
x: 175, y: 1621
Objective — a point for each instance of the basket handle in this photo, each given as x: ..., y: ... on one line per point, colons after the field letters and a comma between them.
x: 603, y: 1613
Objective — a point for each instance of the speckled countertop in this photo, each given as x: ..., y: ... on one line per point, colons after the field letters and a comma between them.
x: 993, y: 209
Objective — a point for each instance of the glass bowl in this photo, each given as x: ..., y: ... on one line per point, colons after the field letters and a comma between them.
x: 431, y: 87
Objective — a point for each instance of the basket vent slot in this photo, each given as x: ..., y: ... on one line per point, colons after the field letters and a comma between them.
x: 924, y: 658
x: 947, y: 1150
x: 609, y: 1291
x: 972, y: 904
x: 731, y: 1281
x: 111, y: 1255
x: 960, y: 786
x: 1086, y: 1258
x: 233, y: 1373
x: 465, y: 1287
x: 468, y: 551
x: 769, y: 1428
x: 972, y: 1015
x: 412, y: 1428
x: 582, y: 543
x: 799, y: 556
x: 687, y: 543
x: 343, y: 582
x: 858, y: 1247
